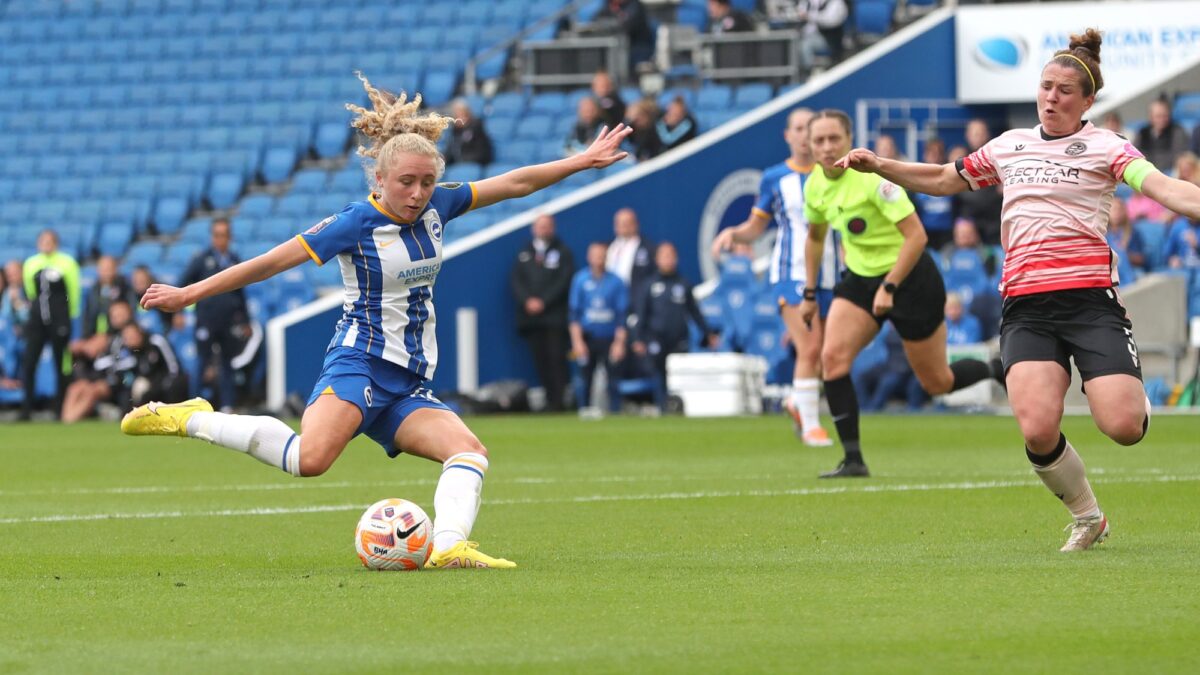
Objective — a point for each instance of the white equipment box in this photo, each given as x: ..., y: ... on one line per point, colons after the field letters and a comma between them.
x: 717, y: 385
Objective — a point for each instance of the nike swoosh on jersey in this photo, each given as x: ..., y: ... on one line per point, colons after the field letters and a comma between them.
x: 383, y: 245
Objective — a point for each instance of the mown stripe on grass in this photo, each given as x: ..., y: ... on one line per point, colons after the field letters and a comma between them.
x: 585, y: 499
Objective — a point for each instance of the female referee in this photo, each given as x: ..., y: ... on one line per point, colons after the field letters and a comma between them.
x: 1059, y: 279
x: 781, y: 196
x: 889, y: 277
x: 389, y: 250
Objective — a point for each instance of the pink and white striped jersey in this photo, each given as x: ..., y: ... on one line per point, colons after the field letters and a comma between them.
x: 1057, y: 191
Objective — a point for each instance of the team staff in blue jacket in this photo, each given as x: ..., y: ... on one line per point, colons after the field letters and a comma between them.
x: 598, y: 303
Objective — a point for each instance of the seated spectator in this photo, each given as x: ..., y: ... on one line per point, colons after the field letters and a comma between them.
x: 676, y: 126
x: 630, y: 17
x: 966, y: 263
x: 14, y: 306
x: 896, y: 378
x: 962, y: 328
x: 110, y: 287
x: 469, y: 141
x: 661, y: 312
x: 604, y: 91
x: 155, y: 320
x: 1126, y: 242
x: 644, y: 143
x: 723, y: 18
x: 587, y: 126
x: 825, y: 27
x: 1162, y: 140
x: 1187, y: 168
x: 92, y: 359
x: 885, y: 146
x: 1183, y: 244
x: 935, y: 211
x: 983, y: 205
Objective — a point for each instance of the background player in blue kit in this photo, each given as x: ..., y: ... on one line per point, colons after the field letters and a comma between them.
x: 781, y: 196
x: 389, y: 250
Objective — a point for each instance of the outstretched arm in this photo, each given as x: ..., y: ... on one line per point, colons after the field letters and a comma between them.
x: 1177, y: 195
x: 171, y: 299
x: 932, y: 179
x: 603, y: 151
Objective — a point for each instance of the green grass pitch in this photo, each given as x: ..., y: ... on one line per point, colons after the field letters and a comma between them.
x: 645, y: 545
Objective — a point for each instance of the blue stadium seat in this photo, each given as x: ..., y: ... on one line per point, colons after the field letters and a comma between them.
x: 143, y: 253
x: 534, y: 127
x: 169, y: 213
x: 509, y: 103
x: 873, y: 18
x: 694, y: 15
x: 114, y: 238
x: 310, y: 181
x: 463, y: 172
x: 520, y: 152
x: 278, y: 163
x: 1154, y: 236
x: 752, y: 95
x: 331, y: 139
x: 294, y: 205
x: 224, y: 188
x: 714, y: 97
x: 256, y: 206
x: 350, y: 179
x: 439, y: 87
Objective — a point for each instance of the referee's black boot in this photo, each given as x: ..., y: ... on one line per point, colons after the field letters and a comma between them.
x: 848, y: 470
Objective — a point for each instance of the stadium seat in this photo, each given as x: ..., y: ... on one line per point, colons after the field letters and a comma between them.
x: 114, y: 238
x: 278, y: 163
x: 714, y: 97
x: 224, y: 188
x: 169, y: 213
x: 439, y: 87
x: 1187, y: 106
x: 331, y: 139
x: 294, y: 206
x: 509, y: 103
x: 752, y: 95
x: 1153, y: 235
x: 463, y: 172
x: 873, y: 18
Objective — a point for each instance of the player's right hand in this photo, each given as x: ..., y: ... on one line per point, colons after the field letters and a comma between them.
x: 859, y: 159
x: 808, y: 310
x: 164, y: 297
x: 722, y: 242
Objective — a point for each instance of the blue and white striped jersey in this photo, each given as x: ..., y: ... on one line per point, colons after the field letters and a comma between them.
x: 388, y: 267
x: 781, y: 196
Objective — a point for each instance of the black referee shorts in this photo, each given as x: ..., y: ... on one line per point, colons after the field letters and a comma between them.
x: 918, y: 307
x: 1089, y: 325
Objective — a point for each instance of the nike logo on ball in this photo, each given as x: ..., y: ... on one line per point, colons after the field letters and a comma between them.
x: 404, y: 534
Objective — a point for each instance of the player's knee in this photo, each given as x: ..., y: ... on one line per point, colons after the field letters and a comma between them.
x: 1127, y: 429
x: 1040, y: 430
x: 835, y: 362
x: 937, y: 383
x: 316, y: 458
x: 473, y: 445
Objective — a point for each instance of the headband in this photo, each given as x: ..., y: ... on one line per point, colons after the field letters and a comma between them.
x: 1085, y: 68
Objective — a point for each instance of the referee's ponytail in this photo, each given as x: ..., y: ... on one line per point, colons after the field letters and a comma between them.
x: 394, y: 126
x: 1083, y: 54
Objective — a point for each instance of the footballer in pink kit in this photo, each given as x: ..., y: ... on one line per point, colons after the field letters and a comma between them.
x: 1060, y: 277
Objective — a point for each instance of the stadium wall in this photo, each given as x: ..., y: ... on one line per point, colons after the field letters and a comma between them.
x: 683, y: 196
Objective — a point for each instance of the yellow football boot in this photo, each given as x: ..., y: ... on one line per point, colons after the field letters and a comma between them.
x: 466, y: 555
x: 162, y: 419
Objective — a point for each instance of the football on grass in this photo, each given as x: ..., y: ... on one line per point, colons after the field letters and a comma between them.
x: 394, y: 534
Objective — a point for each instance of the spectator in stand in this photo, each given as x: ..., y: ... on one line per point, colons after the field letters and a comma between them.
x: 14, y: 306
x: 146, y: 369
x: 1125, y: 241
x: 629, y: 254
x: 935, y: 211
x: 644, y: 143
x: 541, y: 282
x: 604, y: 91
x: 825, y: 27
x: 587, y: 125
x: 896, y: 377
x: 962, y: 328
x: 661, y: 311
x: 1112, y: 121
x: 885, y: 146
x: 51, y: 280
x: 1162, y: 140
x: 469, y: 141
x: 221, y: 318
x: 966, y: 263
x: 94, y: 357
x: 676, y: 126
x: 1183, y: 244
x: 630, y: 17
x: 1187, y: 167
x: 723, y: 18
x: 598, y: 304
x: 110, y: 287
x: 983, y: 205
x: 956, y: 153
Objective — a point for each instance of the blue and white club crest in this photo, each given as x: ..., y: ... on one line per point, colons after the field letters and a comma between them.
x: 434, y: 223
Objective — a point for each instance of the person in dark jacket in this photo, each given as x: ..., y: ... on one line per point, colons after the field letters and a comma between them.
x: 52, y: 286
x: 661, y: 314
x: 608, y: 99
x: 724, y: 18
x: 110, y: 287
x: 541, y: 281
x: 631, y: 19
x: 676, y: 126
x: 218, y: 319
x: 144, y: 368
x: 469, y: 141
x: 1162, y: 140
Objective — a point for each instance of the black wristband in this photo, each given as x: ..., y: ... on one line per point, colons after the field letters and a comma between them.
x: 889, y: 287
x: 810, y: 294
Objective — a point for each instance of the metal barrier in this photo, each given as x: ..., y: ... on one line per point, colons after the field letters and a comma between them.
x: 571, y: 62
x: 743, y: 56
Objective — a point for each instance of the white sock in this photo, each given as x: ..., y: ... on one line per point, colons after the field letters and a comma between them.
x: 1067, y: 479
x: 806, y: 396
x: 456, y: 501
x: 264, y: 438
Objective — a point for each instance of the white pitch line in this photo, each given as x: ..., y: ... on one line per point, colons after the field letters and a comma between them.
x: 587, y: 499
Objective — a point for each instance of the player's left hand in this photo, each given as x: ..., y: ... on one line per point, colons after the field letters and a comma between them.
x: 164, y: 297
x: 605, y: 150
x: 883, y: 302
x: 859, y: 159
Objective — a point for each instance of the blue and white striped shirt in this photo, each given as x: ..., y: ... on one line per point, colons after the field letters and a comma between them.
x: 388, y: 267
x: 781, y: 196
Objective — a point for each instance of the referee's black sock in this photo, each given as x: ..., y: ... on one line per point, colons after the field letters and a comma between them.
x: 843, y: 406
x: 969, y: 371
